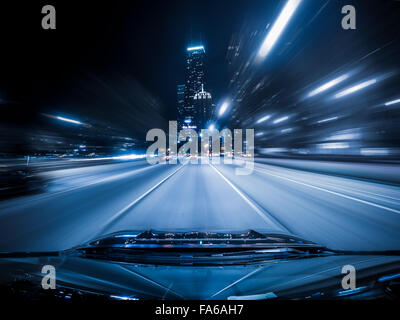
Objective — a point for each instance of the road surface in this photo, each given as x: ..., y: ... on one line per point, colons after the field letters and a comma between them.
x: 83, y: 203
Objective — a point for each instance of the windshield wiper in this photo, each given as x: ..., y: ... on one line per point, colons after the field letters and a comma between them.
x: 197, y: 258
x: 198, y: 248
x: 195, y: 248
x: 198, y: 240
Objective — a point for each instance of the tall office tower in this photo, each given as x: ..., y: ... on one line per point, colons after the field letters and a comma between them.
x: 203, y: 105
x: 180, y: 97
x: 193, y: 82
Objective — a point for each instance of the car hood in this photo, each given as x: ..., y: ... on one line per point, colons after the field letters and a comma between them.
x: 289, y: 268
x: 314, y: 277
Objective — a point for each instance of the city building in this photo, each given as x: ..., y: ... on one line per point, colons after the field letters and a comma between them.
x: 194, y: 79
x: 180, y: 97
x: 203, y: 106
x: 194, y: 105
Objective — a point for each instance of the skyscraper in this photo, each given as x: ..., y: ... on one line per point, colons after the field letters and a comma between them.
x: 180, y: 97
x: 194, y: 104
x: 194, y: 79
x: 203, y: 105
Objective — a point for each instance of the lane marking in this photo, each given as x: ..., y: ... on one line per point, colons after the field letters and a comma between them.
x: 368, y: 194
x: 121, y: 212
x: 262, y: 213
x: 331, y: 192
x: 326, y: 176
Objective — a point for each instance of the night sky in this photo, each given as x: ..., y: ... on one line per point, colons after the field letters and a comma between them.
x: 111, y: 42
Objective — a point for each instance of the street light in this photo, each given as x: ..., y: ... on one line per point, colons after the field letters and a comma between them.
x: 278, y: 27
x: 328, y: 85
x: 327, y: 119
x: 281, y: 119
x: 223, y: 108
x: 195, y: 48
x: 392, y: 102
x: 265, y: 118
x: 355, y: 88
x: 69, y: 120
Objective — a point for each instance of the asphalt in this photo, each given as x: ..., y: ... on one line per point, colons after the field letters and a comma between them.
x: 83, y: 203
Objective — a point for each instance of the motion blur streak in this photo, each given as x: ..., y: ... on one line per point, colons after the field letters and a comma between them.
x: 324, y: 103
x: 355, y: 88
x: 69, y: 120
x: 281, y: 119
x: 336, y: 193
x: 272, y: 199
x: 392, y: 102
x: 265, y: 118
x: 223, y: 108
x: 328, y: 85
x: 278, y: 27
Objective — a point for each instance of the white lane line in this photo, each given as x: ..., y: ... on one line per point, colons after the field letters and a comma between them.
x: 344, y: 188
x: 261, y: 213
x: 130, y: 205
x: 368, y: 194
x: 331, y: 192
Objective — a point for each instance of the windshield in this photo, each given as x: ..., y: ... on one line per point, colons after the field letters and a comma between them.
x: 203, y: 134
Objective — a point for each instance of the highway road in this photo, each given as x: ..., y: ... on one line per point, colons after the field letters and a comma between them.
x: 83, y: 203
